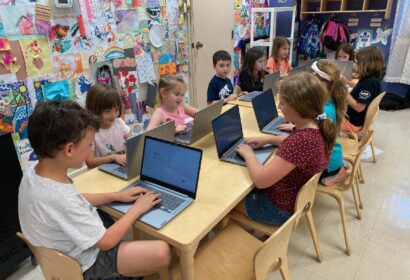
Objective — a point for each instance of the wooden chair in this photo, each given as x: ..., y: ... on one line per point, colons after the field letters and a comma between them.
x: 54, y: 264
x: 336, y: 190
x: 236, y: 254
x: 306, y: 196
x: 352, y: 145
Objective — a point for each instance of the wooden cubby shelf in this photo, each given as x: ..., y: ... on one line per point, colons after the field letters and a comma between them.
x: 312, y: 7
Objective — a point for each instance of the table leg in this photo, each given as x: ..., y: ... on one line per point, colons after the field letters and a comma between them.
x: 187, y: 262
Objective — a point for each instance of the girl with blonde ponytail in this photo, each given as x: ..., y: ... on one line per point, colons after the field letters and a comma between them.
x: 300, y: 155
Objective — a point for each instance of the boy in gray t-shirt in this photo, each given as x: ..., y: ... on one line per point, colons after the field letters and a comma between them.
x: 54, y: 214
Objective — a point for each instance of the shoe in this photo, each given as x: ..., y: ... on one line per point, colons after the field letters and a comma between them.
x: 338, y: 178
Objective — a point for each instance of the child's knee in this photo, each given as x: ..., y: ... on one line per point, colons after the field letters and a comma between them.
x: 163, y: 254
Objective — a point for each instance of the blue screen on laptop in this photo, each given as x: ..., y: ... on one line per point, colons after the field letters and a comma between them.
x: 176, y: 165
x: 227, y: 130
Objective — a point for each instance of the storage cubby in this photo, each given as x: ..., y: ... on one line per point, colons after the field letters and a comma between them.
x: 311, y: 7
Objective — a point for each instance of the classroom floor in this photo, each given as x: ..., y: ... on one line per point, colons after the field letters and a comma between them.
x: 380, y: 242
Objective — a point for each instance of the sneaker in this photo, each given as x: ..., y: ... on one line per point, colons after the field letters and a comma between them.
x: 338, y: 178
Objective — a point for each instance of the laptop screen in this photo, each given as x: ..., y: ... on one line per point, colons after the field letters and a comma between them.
x: 227, y: 130
x: 171, y: 165
x: 271, y: 81
x: 265, y: 108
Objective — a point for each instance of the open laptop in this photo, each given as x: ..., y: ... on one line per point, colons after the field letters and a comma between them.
x: 267, y: 115
x: 228, y: 135
x: 305, y: 67
x: 345, y: 67
x: 201, y: 125
x: 271, y: 81
x: 134, y: 148
x: 171, y: 170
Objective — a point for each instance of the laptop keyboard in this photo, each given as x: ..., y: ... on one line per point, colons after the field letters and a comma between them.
x: 277, y: 121
x: 233, y: 155
x: 187, y: 135
x: 122, y: 170
x: 168, y: 202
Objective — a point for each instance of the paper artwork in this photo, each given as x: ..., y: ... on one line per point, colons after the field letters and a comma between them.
x: 145, y: 68
x: 127, y: 20
x: 13, y: 61
x: 15, y: 108
x: 129, y: 87
x: 67, y: 66
x: 18, y: 20
x: 128, y: 62
x: 37, y: 56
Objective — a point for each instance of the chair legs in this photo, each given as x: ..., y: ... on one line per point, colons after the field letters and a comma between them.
x: 284, y: 269
x: 356, y: 199
x: 373, y: 151
x: 339, y: 198
x: 312, y: 229
x: 360, y: 174
x: 358, y: 193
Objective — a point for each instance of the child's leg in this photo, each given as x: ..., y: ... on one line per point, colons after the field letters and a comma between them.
x: 138, y: 258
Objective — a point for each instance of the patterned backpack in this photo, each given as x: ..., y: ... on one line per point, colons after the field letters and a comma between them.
x: 333, y: 34
x: 309, y: 42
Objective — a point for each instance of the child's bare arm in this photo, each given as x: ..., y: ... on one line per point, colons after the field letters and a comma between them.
x: 189, y: 110
x: 357, y: 106
x: 155, y: 120
x: 94, y: 161
x: 129, y: 195
x: 116, y: 232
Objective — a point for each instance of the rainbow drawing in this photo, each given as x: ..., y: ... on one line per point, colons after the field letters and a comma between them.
x: 113, y: 52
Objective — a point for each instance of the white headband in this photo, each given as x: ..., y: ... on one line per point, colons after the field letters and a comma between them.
x: 322, y: 74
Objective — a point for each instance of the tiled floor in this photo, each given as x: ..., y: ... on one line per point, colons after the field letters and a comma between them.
x: 380, y: 241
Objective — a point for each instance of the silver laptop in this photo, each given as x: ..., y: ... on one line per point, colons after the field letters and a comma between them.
x: 271, y: 81
x: 228, y: 135
x: 345, y: 67
x: 171, y: 170
x: 305, y: 67
x: 201, y: 125
x: 134, y: 148
x: 267, y: 115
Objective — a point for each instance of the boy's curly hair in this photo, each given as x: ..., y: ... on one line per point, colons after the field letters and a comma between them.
x: 55, y: 123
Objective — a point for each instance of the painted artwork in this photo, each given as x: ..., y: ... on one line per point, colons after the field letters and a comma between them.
x: 100, y: 20
x: 129, y: 87
x: 37, y: 56
x: 128, y: 62
x: 67, y: 66
x: 15, y: 108
x: 22, y: 20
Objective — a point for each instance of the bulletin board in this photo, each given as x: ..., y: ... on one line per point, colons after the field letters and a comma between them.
x: 50, y: 51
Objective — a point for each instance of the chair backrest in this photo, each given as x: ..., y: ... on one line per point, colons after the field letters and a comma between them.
x: 54, y: 264
x: 274, y: 249
x: 372, y: 111
x: 306, y: 195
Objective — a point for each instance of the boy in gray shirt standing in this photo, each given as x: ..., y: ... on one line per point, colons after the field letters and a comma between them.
x: 54, y: 214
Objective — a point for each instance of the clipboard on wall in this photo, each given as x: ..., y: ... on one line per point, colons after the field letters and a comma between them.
x: 151, y: 94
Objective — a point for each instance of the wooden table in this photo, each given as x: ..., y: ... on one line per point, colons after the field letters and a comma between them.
x: 221, y: 187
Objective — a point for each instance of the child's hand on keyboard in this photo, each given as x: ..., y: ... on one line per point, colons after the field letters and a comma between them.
x: 286, y: 126
x: 255, y: 142
x: 244, y: 150
x: 146, y: 201
x: 180, y: 129
x: 120, y: 159
x: 130, y: 194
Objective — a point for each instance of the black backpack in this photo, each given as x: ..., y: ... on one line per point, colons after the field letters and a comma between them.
x: 392, y: 102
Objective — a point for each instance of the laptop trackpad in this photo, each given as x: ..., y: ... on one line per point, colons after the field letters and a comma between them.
x: 264, y: 153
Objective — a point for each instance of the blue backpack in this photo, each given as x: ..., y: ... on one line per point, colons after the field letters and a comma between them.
x: 309, y: 42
